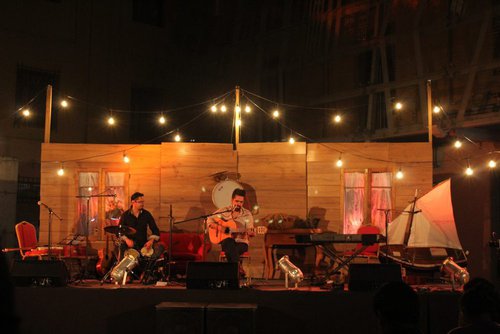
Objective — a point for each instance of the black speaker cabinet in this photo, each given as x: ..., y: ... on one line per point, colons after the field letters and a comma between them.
x: 178, y: 317
x: 212, y: 275
x: 230, y: 318
x: 39, y: 273
x: 370, y: 276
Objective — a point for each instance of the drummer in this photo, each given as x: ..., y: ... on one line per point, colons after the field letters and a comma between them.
x: 140, y: 219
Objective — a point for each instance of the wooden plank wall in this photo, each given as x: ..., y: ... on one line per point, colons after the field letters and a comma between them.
x: 299, y: 179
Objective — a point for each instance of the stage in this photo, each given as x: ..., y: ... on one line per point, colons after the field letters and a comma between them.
x: 88, y: 307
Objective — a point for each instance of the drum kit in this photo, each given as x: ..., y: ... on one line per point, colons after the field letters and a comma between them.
x: 131, y: 258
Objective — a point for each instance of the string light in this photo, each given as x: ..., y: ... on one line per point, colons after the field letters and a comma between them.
x: 223, y: 108
x: 492, y: 163
x: 60, y: 171
x: 457, y: 144
x: 64, y: 103
x: 276, y: 113
x: 214, y: 108
x: 291, y: 140
x: 248, y: 109
x: 339, y: 162
x: 238, y: 109
x: 126, y: 159
x: 469, y: 171
x: 162, y: 119
x: 238, y: 123
x: 436, y: 109
x: 111, y: 120
x: 399, y: 174
x: 337, y: 119
x: 398, y: 106
x: 26, y: 113
x: 177, y: 138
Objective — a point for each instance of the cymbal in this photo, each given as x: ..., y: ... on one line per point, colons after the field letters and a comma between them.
x: 120, y: 229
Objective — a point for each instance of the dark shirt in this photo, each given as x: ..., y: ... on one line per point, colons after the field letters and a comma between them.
x: 141, y: 224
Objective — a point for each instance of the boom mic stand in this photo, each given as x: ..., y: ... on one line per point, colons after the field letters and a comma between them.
x: 51, y: 213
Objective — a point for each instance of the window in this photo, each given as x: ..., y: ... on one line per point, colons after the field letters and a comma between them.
x: 88, y: 207
x: 31, y: 86
x: 366, y: 194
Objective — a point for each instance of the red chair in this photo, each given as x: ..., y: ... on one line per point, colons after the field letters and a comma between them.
x: 28, y: 242
x: 370, y: 252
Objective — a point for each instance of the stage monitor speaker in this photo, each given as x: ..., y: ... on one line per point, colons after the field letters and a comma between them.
x: 39, y: 273
x: 370, y: 276
x: 212, y: 275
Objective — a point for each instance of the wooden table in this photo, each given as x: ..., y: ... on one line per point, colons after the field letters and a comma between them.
x: 275, y: 238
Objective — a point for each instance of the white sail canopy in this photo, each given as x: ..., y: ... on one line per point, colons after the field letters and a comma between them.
x: 433, y: 226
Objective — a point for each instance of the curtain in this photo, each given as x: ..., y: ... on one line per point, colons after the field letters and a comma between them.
x: 381, y: 186
x: 354, y: 196
x: 114, y: 206
x: 87, y: 221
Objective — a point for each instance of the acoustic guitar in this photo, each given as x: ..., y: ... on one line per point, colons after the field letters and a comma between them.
x: 221, y: 229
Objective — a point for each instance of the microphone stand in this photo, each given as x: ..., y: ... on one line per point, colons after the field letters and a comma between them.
x: 51, y: 213
x: 88, y: 198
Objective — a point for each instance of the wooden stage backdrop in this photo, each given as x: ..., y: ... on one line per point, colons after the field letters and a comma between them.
x: 300, y: 179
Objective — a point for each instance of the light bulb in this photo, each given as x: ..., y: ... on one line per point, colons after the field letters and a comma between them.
x: 162, y: 119
x: 111, y: 120
x: 126, y: 159
x: 238, y: 109
x: 339, y: 163
x: 398, y: 106
x: 399, y: 174
x: 291, y: 140
x: 214, y: 108
x: 469, y: 171
x: 436, y: 109
x: 223, y: 108
x: 337, y: 119
x: 64, y: 103
x: 492, y: 164
x: 238, y: 122
x: 276, y: 114
x: 26, y: 112
x: 457, y: 144
x: 247, y: 108
x: 177, y: 138
x: 60, y: 171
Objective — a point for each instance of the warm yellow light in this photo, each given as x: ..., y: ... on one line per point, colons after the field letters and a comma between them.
x: 89, y: 188
x: 238, y: 122
x: 339, y: 163
x: 177, y: 138
x: 492, y: 164
x: 276, y: 114
x: 111, y: 120
x: 64, y: 103
x: 26, y: 113
x: 247, y: 108
x: 223, y: 108
x: 398, y: 106
x: 238, y: 109
x: 469, y: 171
x: 457, y: 144
x: 60, y: 171
x: 162, y: 119
x: 399, y: 174
x: 291, y: 140
x: 337, y: 119
x: 126, y: 159
x: 214, y: 108
x: 436, y: 109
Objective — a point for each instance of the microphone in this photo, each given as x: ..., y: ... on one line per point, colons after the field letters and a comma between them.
x: 41, y: 203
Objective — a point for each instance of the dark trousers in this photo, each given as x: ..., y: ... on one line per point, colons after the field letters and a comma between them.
x: 233, y: 249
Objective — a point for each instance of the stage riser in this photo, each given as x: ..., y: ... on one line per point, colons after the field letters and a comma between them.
x: 132, y: 310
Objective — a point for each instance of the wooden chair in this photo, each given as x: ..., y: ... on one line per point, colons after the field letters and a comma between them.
x: 243, y: 257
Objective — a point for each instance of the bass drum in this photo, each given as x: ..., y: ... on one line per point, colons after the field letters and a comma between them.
x: 221, y: 194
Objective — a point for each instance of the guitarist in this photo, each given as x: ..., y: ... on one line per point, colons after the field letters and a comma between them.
x: 237, y: 244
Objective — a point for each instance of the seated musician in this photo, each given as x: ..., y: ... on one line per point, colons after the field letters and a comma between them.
x: 237, y: 243
x: 140, y: 219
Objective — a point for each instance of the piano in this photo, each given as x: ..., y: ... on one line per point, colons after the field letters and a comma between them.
x: 330, y: 237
